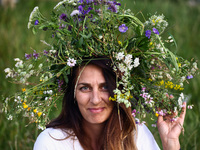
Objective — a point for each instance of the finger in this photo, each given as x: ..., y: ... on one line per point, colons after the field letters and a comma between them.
x: 183, y: 112
x: 160, y: 119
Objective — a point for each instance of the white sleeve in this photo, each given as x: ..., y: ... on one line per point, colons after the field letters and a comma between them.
x: 145, y: 139
x: 55, y: 139
x: 43, y: 142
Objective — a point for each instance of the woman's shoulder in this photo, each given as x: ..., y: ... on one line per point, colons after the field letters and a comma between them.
x: 56, y: 139
x: 145, y: 139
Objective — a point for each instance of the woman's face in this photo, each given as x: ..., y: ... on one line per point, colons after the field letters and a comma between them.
x: 92, y: 95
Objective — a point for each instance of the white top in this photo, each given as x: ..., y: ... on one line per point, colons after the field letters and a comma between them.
x: 49, y: 140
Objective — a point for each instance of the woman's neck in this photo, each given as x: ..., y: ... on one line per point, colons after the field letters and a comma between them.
x: 94, y: 132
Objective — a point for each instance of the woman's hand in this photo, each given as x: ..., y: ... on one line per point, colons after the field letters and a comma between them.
x: 169, y: 131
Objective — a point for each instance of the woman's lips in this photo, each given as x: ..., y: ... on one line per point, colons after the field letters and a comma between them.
x: 96, y: 110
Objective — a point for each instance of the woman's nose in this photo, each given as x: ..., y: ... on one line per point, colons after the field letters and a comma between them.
x: 95, y: 97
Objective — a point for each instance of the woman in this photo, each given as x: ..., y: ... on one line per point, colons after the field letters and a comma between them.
x: 110, y: 62
x: 90, y: 121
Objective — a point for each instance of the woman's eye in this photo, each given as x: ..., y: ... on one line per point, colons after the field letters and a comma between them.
x: 84, y: 88
x: 104, y: 88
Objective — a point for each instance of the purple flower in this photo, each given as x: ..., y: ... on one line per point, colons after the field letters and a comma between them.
x: 80, y: 8
x: 116, y: 3
x: 60, y: 83
x: 113, y: 8
x: 69, y: 27
x: 155, y: 31
x: 45, y: 52
x: 62, y: 26
x: 189, y: 77
x: 123, y: 28
x: 91, y: 16
x: 28, y: 56
x: 134, y: 111
x: 148, y: 33
x: 36, y: 22
x: 35, y: 55
x: 89, y: 1
x: 97, y: 10
x: 153, y: 125
x: 63, y: 16
x: 87, y: 11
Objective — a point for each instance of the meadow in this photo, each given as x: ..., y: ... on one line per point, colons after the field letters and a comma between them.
x: 16, y: 39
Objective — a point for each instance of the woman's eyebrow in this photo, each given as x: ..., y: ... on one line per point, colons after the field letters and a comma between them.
x: 84, y: 83
x: 103, y: 83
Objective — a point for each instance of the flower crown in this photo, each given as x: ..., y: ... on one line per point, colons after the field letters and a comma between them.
x: 153, y: 77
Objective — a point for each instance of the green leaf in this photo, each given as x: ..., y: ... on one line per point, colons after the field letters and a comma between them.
x: 173, y: 58
x: 86, y: 36
x: 81, y: 41
x: 65, y: 77
x: 34, y: 30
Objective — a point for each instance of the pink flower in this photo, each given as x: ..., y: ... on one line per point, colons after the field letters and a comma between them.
x: 71, y: 62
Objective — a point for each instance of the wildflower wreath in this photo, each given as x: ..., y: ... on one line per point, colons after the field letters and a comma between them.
x: 153, y: 77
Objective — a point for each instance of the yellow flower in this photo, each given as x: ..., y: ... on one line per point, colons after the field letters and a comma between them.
x: 35, y: 110
x: 157, y: 114
x: 179, y: 64
x: 162, y: 82
x: 119, y: 42
x: 171, y: 86
x: 25, y: 106
x: 39, y: 114
x: 151, y: 43
x: 153, y: 21
x: 177, y: 87
x: 150, y: 79
x: 23, y: 89
x: 130, y: 97
x: 113, y: 99
x: 29, y: 108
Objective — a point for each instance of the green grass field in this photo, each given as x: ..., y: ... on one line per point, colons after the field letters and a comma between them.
x: 16, y: 39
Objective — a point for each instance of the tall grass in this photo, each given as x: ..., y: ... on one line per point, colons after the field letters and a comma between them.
x: 16, y: 39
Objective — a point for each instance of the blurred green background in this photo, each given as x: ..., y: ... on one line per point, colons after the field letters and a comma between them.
x: 15, y: 39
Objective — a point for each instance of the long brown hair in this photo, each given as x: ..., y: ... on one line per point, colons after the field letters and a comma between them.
x: 113, y: 137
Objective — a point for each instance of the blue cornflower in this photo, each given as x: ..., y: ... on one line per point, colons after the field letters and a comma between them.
x: 123, y: 28
x: 36, y: 22
x: 155, y: 31
x: 148, y: 33
x: 189, y: 77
